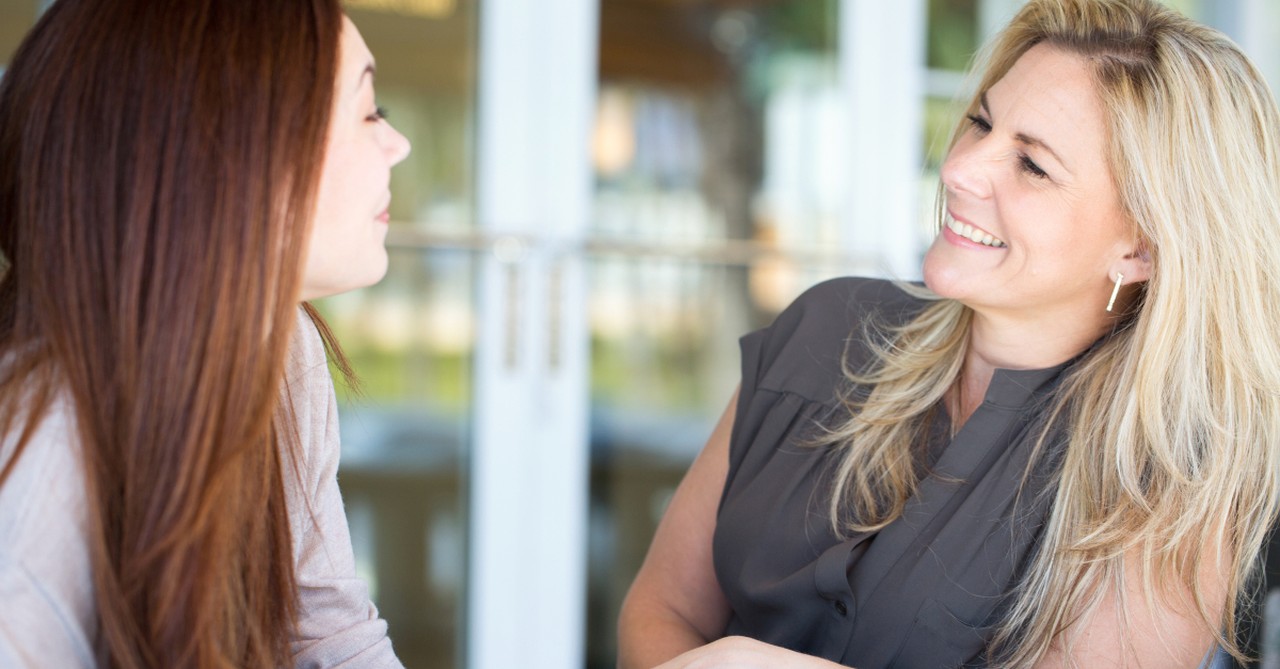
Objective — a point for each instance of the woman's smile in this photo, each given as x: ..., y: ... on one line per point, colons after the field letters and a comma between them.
x: 970, y: 232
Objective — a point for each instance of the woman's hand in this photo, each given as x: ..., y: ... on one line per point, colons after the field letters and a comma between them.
x: 739, y: 652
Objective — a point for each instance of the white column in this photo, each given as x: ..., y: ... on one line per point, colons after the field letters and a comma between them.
x: 882, y: 71
x: 529, y: 460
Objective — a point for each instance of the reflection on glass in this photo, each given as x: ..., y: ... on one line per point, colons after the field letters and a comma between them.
x: 718, y: 125
x: 404, y: 445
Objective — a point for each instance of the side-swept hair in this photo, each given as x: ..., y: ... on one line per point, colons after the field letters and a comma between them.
x: 1173, y: 422
x: 158, y: 168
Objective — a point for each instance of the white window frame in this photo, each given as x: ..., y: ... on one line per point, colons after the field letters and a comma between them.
x: 529, y: 457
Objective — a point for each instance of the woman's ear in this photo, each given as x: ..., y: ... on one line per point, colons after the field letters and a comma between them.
x: 1135, y: 265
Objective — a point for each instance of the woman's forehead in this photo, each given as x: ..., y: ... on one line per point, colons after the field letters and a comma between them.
x: 354, y: 55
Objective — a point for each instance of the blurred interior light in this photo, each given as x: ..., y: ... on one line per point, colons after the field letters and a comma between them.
x: 613, y: 142
x: 732, y: 30
x: 774, y: 279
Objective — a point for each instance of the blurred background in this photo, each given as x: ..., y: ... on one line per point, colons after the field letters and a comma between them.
x: 603, y: 196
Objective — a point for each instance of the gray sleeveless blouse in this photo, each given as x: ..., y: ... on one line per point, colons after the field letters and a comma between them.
x: 927, y: 589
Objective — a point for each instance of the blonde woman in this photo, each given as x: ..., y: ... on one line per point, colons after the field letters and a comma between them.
x: 1064, y: 452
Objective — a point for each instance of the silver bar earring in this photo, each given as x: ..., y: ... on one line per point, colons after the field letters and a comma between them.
x: 1115, y: 291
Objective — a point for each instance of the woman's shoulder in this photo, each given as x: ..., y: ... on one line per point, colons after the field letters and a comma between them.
x: 804, y: 350
x: 309, y: 407
x: 306, y: 350
x: 44, y: 545
x: 847, y: 301
x: 46, y: 483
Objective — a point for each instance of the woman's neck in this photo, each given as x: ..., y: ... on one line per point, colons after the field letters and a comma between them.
x: 997, y: 342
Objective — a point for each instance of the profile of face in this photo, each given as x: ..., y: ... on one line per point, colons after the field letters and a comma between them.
x: 348, y: 234
x: 1033, y: 226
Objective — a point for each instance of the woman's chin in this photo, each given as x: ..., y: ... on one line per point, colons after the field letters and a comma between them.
x: 938, y: 275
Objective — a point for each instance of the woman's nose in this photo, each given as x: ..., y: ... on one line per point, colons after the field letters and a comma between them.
x: 396, y: 145
x: 967, y: 168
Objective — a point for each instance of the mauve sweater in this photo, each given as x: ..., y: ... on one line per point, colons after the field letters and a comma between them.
x: 47, y: 608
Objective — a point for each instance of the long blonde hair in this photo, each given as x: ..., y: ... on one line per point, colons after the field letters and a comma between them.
x: 1171, y: 423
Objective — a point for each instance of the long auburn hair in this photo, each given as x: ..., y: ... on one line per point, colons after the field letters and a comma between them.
x: 158, y: 168
x: 1172, y: 423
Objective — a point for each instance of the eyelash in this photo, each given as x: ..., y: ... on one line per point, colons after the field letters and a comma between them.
x: 379, y: 114
x: 982, y: 126
x: 1030, y: 167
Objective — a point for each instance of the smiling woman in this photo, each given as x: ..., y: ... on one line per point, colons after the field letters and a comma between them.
x: 1031, y: 173
x: 194, y: 171
x: 1062, y: 450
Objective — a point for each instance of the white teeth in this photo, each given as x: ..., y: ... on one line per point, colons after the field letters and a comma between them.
x: 973, y: 234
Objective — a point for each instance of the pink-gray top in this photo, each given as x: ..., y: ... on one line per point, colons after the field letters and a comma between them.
x: 47, y: 608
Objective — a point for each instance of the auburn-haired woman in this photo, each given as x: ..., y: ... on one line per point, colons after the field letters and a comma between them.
x: 176, y: 179
x: 1065, y: 451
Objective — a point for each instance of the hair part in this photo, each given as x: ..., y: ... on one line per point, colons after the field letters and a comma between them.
x: 1171, y: 421
x: 158, y: 168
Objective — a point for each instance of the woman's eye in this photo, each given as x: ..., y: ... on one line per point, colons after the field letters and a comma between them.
x: 379, y: 114
x: 979, y: 124
x: 1030, y: 167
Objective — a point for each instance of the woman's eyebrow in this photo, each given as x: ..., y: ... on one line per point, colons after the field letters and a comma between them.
x: 370, y: 71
